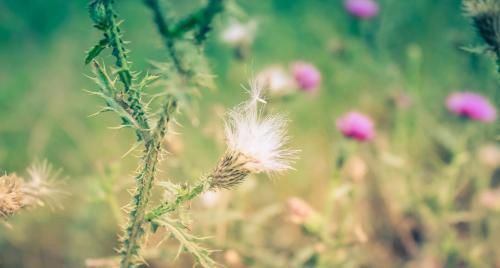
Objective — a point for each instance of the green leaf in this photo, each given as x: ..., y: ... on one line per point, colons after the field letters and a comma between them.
x: 96, y: 50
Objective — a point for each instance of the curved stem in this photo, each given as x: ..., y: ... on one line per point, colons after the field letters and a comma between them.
x: 163, y: 28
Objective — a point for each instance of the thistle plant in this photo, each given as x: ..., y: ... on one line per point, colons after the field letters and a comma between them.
x: 255, y: 143
x: 485, y: 15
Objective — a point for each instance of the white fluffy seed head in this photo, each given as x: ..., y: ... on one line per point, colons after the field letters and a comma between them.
x: 261, y: 138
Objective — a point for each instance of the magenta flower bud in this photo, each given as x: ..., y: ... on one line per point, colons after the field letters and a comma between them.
x: 306, y: 75
x: 364, y: 9
x: 471, y: 105
x: 356, y: 126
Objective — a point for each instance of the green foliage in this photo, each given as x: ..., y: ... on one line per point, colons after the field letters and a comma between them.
x: 189, y: 242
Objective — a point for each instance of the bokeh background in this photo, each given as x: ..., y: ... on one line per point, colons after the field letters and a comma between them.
x: 423, y: 161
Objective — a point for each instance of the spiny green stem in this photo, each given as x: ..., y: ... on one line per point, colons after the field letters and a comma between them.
x: 134, y: 230
x: 144, y: 181
x: 180, y: 199
x: 201, y: 19
x: 113, y: 34
x: 105, y: 18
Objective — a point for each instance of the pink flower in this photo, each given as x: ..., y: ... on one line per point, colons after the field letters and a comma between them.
x: 306, y: 75
x: 364, y: 9
x: 471, y: 105
x: 356, y: 126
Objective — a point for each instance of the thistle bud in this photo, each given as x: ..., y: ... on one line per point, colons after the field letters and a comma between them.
x: 230, y: 171
x: 97, y: 12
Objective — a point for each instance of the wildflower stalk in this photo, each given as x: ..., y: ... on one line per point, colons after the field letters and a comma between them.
x: 144, y: 181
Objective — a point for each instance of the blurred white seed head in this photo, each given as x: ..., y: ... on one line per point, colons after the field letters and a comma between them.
x: 210, y: 199
x: 237, y: 34
x: 256, y: 142
x: 41, y: 183
x: 276, y: 80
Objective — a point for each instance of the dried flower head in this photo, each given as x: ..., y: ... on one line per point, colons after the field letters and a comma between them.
x: 256, y: 143
x: 11, y: 195
x: 17, y: 193
x: 485, y: 15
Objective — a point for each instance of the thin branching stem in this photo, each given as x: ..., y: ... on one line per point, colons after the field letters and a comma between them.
x: 161, y: 23
x: 200, y: 18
